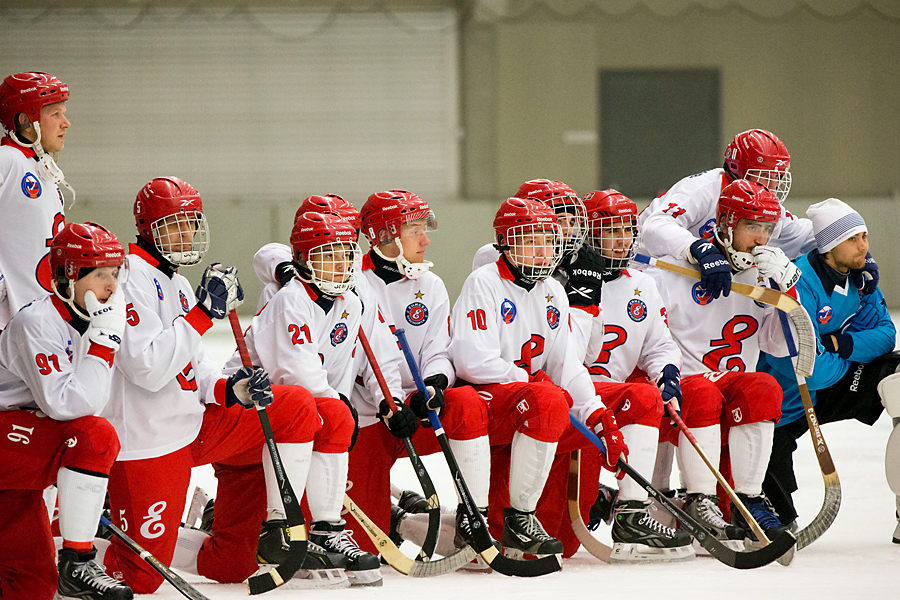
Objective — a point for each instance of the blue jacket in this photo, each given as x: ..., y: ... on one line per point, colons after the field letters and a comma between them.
x: 873, y: 335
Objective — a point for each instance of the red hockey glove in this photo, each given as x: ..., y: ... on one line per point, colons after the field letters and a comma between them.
x: 603, y: 422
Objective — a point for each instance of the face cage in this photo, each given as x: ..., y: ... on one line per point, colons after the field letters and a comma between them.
x: 605, y: 228
x: 323, y: 277
x: 779, y: 182
x: 515, y: 239
x: 199, y: 243
x: 573, y: 222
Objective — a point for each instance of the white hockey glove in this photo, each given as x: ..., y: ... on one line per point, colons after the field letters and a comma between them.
x: 773, y: 263
x: 107, y: 320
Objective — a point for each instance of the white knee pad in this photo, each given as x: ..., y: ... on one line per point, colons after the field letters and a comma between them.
x: 889, y: 390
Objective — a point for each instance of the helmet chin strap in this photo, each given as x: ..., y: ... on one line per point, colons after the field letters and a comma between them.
x: 48, y: 170
x: 71, y: 300
x: 409, y: 270
x: 740, y: 261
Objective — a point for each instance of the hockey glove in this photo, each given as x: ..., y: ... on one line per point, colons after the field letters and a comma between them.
x: 219, y: 291
x: 401, y: 424
x: 107, y: 320
x: 839, y: 343
x: 355, y: 416
x: 670, y: 387
x: 248, y: 387
x: 603, y: 422
x: 435, y: 386
x: 866, y: 279
x: 865, y: 318
x: 774, y: 264
x: 585, y: 278
x: 715, y: 272
x: 284, y: 272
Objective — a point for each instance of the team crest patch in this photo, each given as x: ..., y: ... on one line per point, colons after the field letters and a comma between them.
x: 824, y: 314
x: 158, y: 289
x: 508, y: 311
x: 637, y: 310
x: 706, y: 231
x: 31, y: 187
x: 552, y: 317
x: 416, y: 313
x: 184, y: 302
x: 339, y: 334
x: 699, y: 295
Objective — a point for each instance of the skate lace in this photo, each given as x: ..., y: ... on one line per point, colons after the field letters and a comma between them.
x: 527, y: 523
x: 709, y: 512
x: 342, y: 541
x: 93, y: 575
x: 761, y: 511
x: 656, y: 526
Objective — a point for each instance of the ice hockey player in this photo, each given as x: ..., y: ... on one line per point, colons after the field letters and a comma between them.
x: 510, y: 341
x: 173, y: 409
x: 720, y: 344
x: 56, y: 364
x: 410, y: 296
x: 855, y: 337
x: 33, y: 113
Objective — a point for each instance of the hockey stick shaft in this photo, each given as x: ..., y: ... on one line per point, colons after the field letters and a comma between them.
x: 434, y: 507
x: 180, y: 584
x: 265, y: 582
x: 482, y: 540
x: 757, y: 530
x: 739, y: 560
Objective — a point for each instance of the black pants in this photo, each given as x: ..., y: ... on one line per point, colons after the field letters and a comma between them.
x: 855, y: 396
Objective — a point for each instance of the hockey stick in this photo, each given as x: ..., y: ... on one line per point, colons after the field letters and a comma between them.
x: 757, y: 530
x: 832, y: 501
x: 434, y: 506
x: 264, y: 582
x: 402, y: 563
x: 587, y: 539
x: 739, y: 560
x: 482, y: 542
x: 180, y: 584
x: 795, y: 312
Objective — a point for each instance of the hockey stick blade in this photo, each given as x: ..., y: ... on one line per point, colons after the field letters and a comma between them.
x: 434, y: 507
x: 739, y: 560
x: 399, y: 561
x: 177, y: 582
x: 597, y: 548
x: 482, y: 542
x: 265, y: 582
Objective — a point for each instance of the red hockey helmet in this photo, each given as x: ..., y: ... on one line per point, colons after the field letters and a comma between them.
x: 758, y: 155
x: 565, y: 203
x: 742, y: 199
x: 613, y: 223
x: 529, y: 232
x: 325, y: 244
x: 319, y: 204
x: 389, y: 210
x: 83, y: 245
x: 346, y: 210
x: 28, y: 93
x: 167, y: 208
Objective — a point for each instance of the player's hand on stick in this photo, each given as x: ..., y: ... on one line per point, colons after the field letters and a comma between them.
x: 248, y: 387
x: 401, y: 424
x: 435, y: 386
x: 585, y: 278
x: 219, y: 291
x: 107, y: 319
x: 774, y: 264
x: 603, y: 422
x: 670, y: 387
x: 355, y: 416
x: 866, y: 279
x: 715, y: 271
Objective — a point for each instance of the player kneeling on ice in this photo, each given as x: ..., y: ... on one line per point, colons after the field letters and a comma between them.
x: 510, y: 342
x: 305, y: 336
x: 720, y: 343
x: 173, y: 409
x: 56, y: 366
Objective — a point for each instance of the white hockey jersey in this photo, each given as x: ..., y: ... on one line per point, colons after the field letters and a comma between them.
x: 44, y: 363
x: 163, y: 375
x: 635, y: 332
x: 502, y: 333
x: 33, y: 213
x: 687, y: 211
x: 725, y: 334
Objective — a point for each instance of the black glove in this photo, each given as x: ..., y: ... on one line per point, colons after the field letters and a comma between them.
x: 670, y: 387
x: 715, y: 272
x: 839, y: 343
x: 436, y: 384
x: 355, y: 420
x: 585, y: 278
x: 248, y: 387
x: 284, y: 272
x: 401, y: 424
x: 866, y: 279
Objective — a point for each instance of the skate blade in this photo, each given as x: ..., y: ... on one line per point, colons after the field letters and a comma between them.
x: 516, y: 554
x: 369, y: 578
x: 479, y: 565
x: 639, y: 553
x: 199, y: 500
x: 736, y: 545
x: 318, y: 579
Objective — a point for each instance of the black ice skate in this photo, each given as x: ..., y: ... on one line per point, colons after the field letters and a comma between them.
x: 317, y: 570
x: 524, y: 534
x: 362, y: 568
x: 412, y: 502
x: 397, y: 515
x: 705, y: 509
x: 81, y: 577
x: 637, y: 536
x: 602, y: 509
x: 462, y: 537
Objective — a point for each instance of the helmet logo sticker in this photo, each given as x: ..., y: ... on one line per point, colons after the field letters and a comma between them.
x: 31, y: 187
x: 416, y: 313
